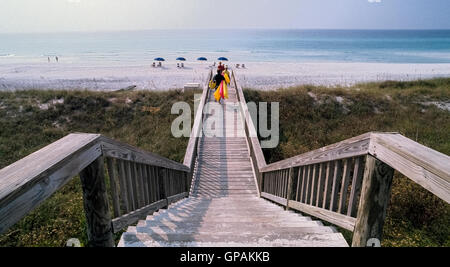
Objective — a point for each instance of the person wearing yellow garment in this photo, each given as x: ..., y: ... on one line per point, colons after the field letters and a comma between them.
x: 227, y: 75
x: 221, y: 80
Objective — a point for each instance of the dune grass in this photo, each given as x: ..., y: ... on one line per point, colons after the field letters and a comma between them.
x: 312, y: 117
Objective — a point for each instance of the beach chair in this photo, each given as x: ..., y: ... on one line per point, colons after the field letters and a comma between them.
x: 182, y: 65
x: 154, y: 65
x: 178, y: 65
x: 160, y: 64
x: 237, y: 66
x: 243, y: 66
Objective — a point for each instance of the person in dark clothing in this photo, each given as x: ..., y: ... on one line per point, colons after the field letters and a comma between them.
x: 221, y: 67
x: 218, y: 78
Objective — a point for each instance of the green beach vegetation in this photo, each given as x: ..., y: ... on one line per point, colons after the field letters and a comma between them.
x: 310, y: 117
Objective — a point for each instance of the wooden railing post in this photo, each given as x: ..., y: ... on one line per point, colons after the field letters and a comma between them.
x: 375, y: 195
x: 162, y: 183
x: 96, y: 206
x: 290, y: 187
x: 261, y: 182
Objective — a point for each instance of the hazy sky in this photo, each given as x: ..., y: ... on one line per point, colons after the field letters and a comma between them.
x: 100, y: 15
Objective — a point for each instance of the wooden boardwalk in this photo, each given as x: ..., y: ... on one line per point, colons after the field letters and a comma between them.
x: 223, y: 208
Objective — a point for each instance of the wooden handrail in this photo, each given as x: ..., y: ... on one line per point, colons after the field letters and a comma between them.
x: 425, y: 166
x: 192, y: 147
x: 348, y: 183
x: 23, y: 188
x: 256, y: 154
x: 356, y: 146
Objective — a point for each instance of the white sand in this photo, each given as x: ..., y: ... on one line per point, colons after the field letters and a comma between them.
x: 114, y: 76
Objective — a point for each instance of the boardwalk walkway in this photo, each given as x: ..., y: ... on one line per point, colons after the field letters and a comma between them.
x: 223, y: 208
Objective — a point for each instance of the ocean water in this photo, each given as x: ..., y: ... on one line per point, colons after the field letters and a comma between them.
x: 380, y: 46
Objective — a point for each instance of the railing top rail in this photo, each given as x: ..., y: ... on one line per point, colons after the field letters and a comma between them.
x: 425, y: 166
x: 352, y: 147
x: 116, y: 149
x: 29, y: 181
x: 43, y: 162
x: 75, y: 150
x: 253, y: 135
x: 189, y: 157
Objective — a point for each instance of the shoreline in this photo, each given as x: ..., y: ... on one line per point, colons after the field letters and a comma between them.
x: 111, y: 76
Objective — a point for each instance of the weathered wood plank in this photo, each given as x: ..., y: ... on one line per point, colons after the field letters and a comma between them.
x: 113, y: 184
x: 124, y: 195
x: 277, y: 199
x: 196, y: 133
x: 312, y: 198
x: 44, y: 161
x: 337, y: 177
x: 176, y: 198
x: 308, y: 184
x: 132, y: 194
x: 344, y: 186
x: 320, y: 184
x: 304, y: 181
x: 138, y: 184
x: 290, y: 194
x: 115, y: 149
x: 341, y: 220
x: 328, y: 185
x: 96, y: 208
x: 425, y: 166
x: 145, y: 184
x: 252, y: 136
x: 299, y: 180
x: 19, y: 199
x: 375, y: 195
x: 356, y: 187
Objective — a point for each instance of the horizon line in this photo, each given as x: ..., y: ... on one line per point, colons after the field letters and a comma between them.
x: 236, y: 29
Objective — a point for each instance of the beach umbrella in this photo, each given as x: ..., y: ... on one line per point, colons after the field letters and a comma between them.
x: 181, y: 59
x: 202, y: 59
x: 222, y: 59
x: 159, y: 59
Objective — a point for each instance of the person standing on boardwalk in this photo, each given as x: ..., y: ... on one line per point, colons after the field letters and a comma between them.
x: 226, y: 75
x: 221, y: 83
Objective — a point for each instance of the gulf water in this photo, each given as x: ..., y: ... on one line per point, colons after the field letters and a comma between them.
x: 377, y: 46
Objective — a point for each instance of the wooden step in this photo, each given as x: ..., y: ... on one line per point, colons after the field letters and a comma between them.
x: 299, y: 239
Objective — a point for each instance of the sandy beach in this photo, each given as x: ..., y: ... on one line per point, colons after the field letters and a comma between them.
x: 258, y: 75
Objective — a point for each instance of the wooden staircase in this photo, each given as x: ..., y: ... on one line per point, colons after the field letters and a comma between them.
x: 224, y: 209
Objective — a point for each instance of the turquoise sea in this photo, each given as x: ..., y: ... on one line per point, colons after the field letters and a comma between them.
x: 385, y: 46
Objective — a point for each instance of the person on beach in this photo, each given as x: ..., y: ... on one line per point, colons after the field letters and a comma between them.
x: 221, y: 67
x: 217, y: 79
x: 48, y: 58
x: 57, y: 59
x: 222, y: 91
x: 226, y: 75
